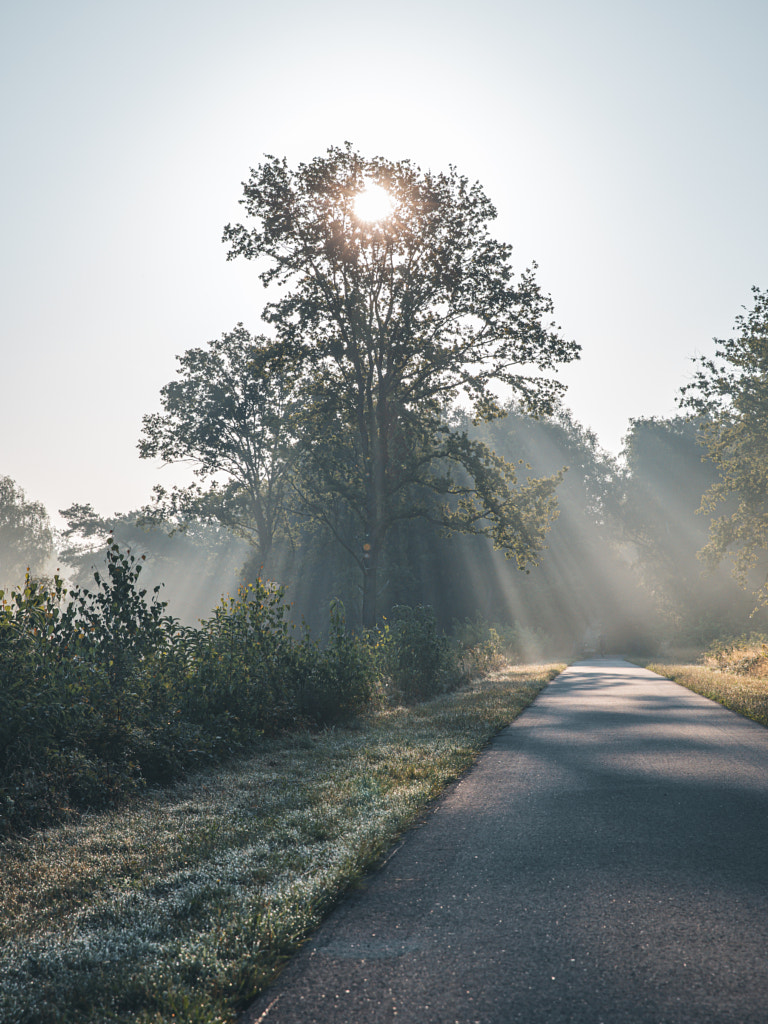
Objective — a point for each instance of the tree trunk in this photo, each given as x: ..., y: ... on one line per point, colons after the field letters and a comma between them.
x: 370, y: 577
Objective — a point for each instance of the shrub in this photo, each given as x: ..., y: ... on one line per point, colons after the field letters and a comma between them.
x: 481, y: 646
x: 240, y: 675
x: 746, y: 655
x: 339, y: 681
x: 101, y: 692
x: 485, y: 647
x: 416, y: 661
x: 71, y: 667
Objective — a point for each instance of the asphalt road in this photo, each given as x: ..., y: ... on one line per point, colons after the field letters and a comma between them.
x: 605, y: 862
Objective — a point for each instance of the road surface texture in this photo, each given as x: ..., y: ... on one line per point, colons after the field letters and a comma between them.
x: 605, y: 862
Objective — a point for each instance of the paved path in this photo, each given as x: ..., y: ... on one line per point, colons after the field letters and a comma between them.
x: 606, y: 862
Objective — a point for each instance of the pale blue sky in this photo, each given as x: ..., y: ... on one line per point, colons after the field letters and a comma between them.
x: 623, y: 143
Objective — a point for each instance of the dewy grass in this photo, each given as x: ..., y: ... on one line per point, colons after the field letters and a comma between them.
x: 184, y: 905
x: 748, y: 695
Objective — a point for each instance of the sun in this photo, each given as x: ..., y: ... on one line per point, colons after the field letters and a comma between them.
x: 374, y: 203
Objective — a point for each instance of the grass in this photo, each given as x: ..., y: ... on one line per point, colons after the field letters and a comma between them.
x: 743, y: 691
x: 185, y: 904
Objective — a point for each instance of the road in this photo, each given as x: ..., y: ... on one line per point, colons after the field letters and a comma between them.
x: 605, y: 862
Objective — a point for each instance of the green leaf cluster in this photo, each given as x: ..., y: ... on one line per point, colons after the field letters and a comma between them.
x: 729, y: 397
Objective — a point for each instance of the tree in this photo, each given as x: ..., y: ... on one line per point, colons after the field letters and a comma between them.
x: 392, y: 319
x: 26, y: 537
x: 664, y: 481
x: 585, y: 592
x: 729, y: 397
x: 229, y: 413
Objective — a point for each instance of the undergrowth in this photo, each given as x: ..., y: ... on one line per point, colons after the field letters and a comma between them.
x: 747, y: 655
x: 102, y: 694
x: 187, y: 901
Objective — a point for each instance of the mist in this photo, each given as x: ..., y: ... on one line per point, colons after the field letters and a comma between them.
x: 194, y: 567
x: 620, y: 571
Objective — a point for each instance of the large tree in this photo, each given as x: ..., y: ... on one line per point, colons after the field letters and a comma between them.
x: 229, y: 415
x: 729, y: 397
x: 393, y: 315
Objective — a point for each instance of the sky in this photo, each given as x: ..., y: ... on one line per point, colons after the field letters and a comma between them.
x: 624, y: 144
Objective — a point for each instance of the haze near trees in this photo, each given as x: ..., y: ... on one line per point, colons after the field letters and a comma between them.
x: 385, y: 324
x: 26, y: 537
x: 729, y: 396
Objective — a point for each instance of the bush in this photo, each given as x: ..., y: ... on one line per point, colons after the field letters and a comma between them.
x: 416, y: 661
x: 72, y: 667
x: 746, y: 655
x: 338, y: 682
x: 481, y: 646
x: 486, y: 647
x: 102, y: 693
x: 240, y: 677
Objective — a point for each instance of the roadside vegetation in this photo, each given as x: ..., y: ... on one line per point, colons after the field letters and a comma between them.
x: 102, y: 694
x: 181, y: 806
x: 208, y: 790
x: 734, y: 673
x: 185, y: 902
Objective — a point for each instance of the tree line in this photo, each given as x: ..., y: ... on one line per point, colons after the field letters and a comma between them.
x: 361, y: 449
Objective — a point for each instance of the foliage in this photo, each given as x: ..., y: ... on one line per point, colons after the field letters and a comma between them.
x: 26, y: 537
x: 73, y: 687
x: 339, y: 680
x: 482, y: 647
x: 194, y: 561
x: 558, y: 442
x: 619, y: 563
x: 663, y: 483
x: 125, y: 627
x: 485, y: 647
x: 230, y: 412
x: 665, y: 478
x: 185, y: 905
x: 729, y: 397
x: 417, y: 661
x: 746, y: 655
x: 390, y: 322
x: 102, y: 693
x: 585, y: 586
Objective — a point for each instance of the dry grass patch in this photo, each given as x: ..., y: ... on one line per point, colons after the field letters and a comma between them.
x: 188, y: 901
x: 746, y: 694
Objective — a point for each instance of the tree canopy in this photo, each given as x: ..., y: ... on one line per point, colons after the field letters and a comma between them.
x: 391, y: 321
x: 665, y: 477
x: 228, y: 413
x: 729, y: 398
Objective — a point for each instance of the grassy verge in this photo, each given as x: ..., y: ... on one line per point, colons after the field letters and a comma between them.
x: 185, y: 904
x: 748, y: 695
